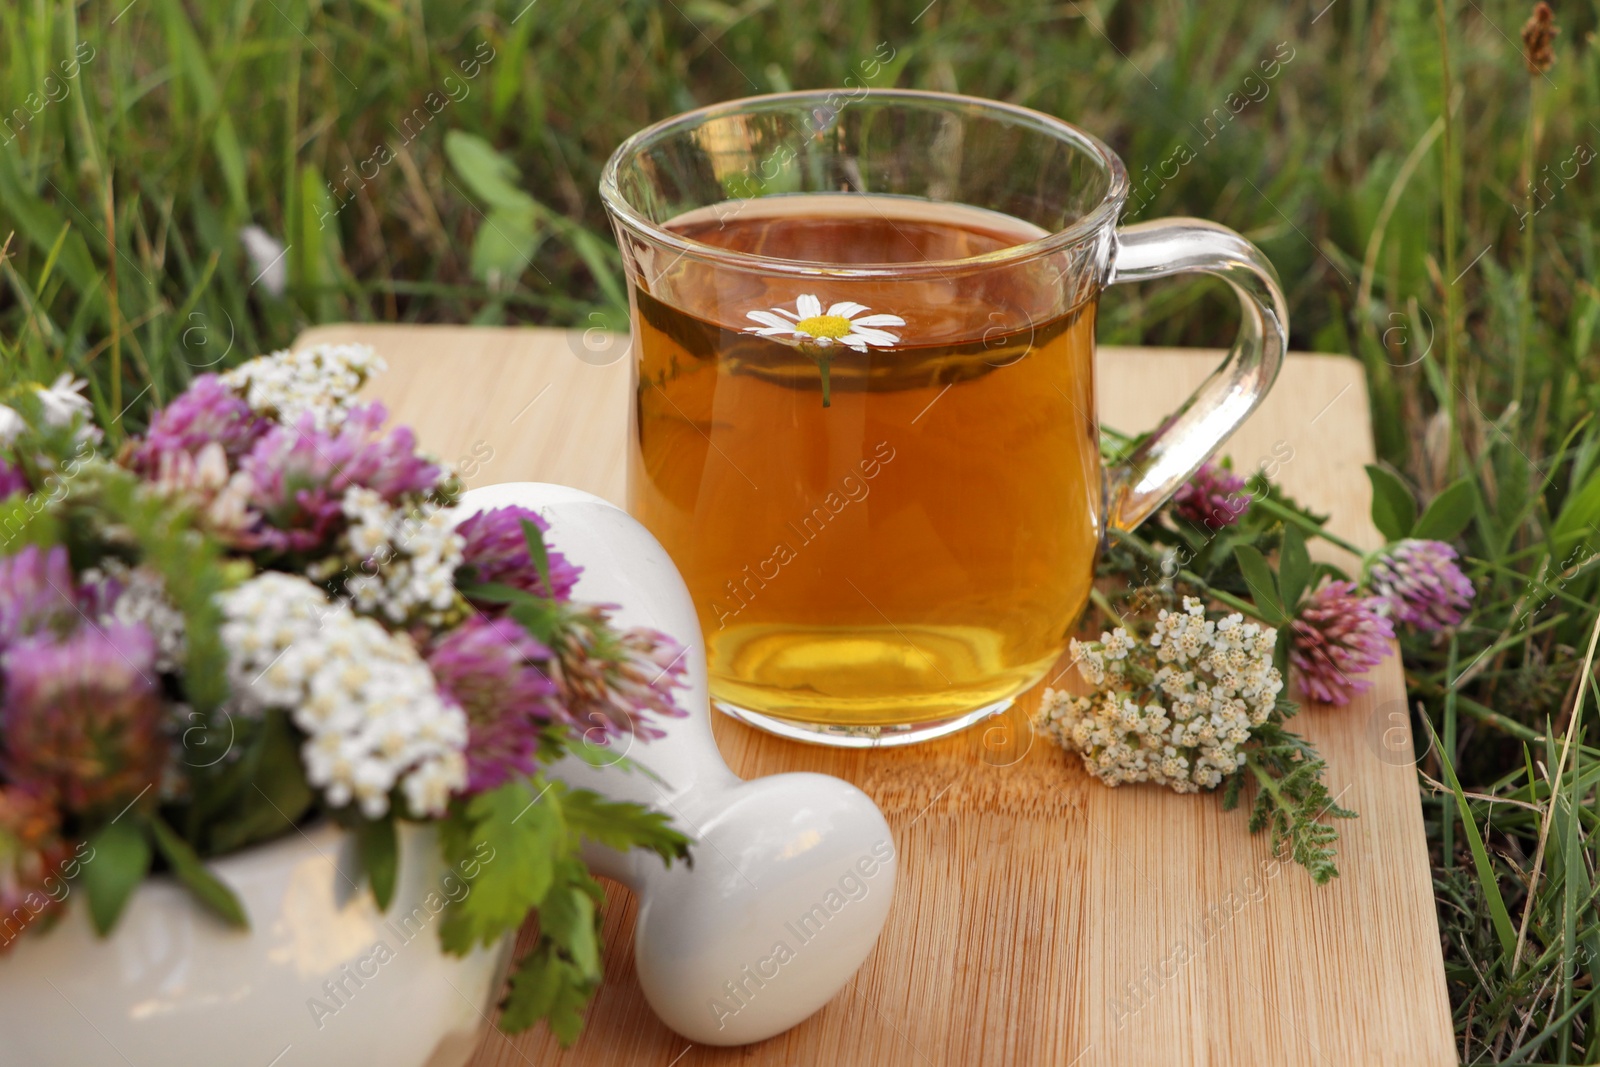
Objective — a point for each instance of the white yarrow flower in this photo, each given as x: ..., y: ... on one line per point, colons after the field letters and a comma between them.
x: 405, y: 562
x: 1217, y: 681
x: 839, y: 324
x: 367, y: 702
x: 322, y: 380
x: 143, y: 600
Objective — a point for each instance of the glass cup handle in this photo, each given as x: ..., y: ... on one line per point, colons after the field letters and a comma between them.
x: 1143, y: 481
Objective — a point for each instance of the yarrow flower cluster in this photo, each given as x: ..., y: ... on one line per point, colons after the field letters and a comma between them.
x: 1420, y: 584
x: 1174, y: 709
x: 138, y: 596
x: 1213, y: 497
x: 406, y: 560
x: 365, y: 699
x: 320, y: 382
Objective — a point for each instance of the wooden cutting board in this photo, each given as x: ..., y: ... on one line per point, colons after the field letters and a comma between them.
x: 1041, y: 918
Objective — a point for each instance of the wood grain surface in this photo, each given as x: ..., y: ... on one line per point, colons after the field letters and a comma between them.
x: 1041, y: 918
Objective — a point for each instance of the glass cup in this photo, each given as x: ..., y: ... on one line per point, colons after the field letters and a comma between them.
x: 863, y: 419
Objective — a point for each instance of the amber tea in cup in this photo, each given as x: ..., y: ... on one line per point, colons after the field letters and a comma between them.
x: 864, y: 405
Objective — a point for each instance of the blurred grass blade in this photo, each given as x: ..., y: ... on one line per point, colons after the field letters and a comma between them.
x: 1487, y: 884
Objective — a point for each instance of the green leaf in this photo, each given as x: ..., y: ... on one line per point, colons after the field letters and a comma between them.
x: 570, y: 918
x: 1293, y: 800
x: 204, y: 886
x: 557, y: 979
x: 538, y: 553
x: 492, y: 177
x: 622, y: 826
x: 190, y: 566
x: 503, y: 247
x: 230, y: 159
x: 541, y: 618
x: 1294, y: 567
x: 514, y: 835
x: 261, y: 796
x: 510, y: 231
x: 380, y: 857
x: 1231, y: 790
x: 545, y: 986
x: 1580, y: 516
x: 1447, y: 514
x: 119, y: 862
x: 1394, y: 509
x: 1263, y: 587
x: 493, y: 592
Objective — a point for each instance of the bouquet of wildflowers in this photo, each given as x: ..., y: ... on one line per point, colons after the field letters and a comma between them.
x: 1195, y: 699
x: 260, y: 613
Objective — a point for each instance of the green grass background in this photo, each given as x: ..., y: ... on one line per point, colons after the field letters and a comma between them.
x: 375, y: 139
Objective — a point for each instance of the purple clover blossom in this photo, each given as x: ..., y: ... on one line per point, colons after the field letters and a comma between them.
x: 498, y: 552
x: 615, y: 683
x: 83, y: 717
x: 300, y: 475
x: 492, y: 669
x: 208, y: 411
x: 11, y: 480
x: 37, y: 592
x: 1421, y: 584
x: 1213, y: 497
x: 1338, y: 636
x: 32, y: 855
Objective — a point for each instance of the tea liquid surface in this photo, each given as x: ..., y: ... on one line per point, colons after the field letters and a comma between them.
x: 921, y: 546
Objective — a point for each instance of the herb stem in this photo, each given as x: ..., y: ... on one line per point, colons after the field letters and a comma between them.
x: 1150, y: 552
x: 1309, y: 526
x: 1482, y: 712
x: 1530, y: 152
x: 1448, y: 744
x: 1447, y: 194
x: 1103, y: 602
x: 1532, y: 583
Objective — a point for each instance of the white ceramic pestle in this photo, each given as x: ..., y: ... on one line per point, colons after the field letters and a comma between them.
x: 792, y: 874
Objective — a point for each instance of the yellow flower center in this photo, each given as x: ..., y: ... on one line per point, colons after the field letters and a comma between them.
x: 832, y: 327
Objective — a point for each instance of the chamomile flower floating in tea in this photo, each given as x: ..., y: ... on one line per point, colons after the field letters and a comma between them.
x: 817, y: 331
x: 823, y: 328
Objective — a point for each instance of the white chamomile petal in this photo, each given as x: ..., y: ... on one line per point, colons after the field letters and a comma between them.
x: 769, y: 320
x: 878, y: 320
x: 846, y: 308
x: 871, y: 337
x: 808, y: 306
